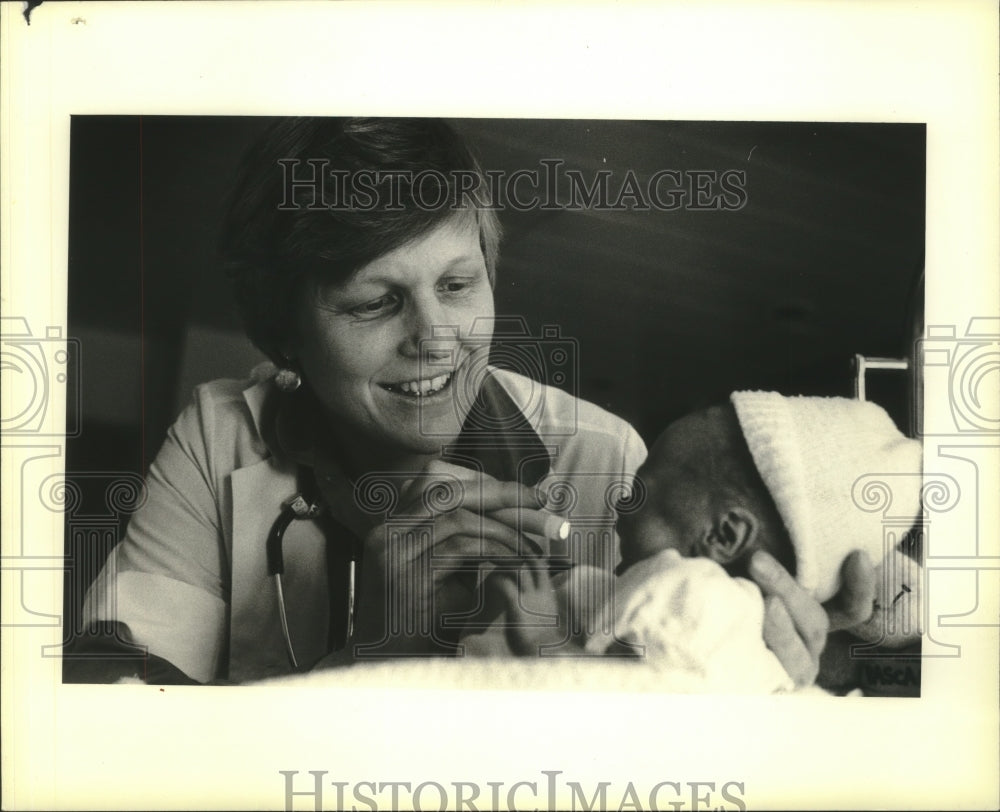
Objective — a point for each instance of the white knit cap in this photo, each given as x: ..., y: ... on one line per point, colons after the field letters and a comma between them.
x: 810, y: 452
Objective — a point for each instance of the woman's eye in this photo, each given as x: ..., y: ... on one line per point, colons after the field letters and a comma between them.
x: 376, y: 307
x: 454, y: 285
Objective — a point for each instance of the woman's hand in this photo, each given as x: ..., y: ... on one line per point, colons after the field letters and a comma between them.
x: 424, y: 565
x: 796, y: 625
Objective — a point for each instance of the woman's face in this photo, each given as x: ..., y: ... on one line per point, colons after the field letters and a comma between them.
x: 389, y: 352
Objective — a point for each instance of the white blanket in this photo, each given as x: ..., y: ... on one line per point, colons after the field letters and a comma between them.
x: 700, y: 628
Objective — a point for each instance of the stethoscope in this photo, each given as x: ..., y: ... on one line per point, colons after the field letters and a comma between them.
x: 307, y: 505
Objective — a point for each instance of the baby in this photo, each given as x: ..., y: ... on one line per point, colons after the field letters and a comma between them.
x: 763, y: 471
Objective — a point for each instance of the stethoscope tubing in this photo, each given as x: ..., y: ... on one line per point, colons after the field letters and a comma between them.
x: 297, y: 507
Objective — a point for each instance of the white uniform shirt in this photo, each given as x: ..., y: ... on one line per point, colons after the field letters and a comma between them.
x: 189, y: 580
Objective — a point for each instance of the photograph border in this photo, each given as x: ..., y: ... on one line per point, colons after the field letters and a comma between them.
x: 73, y: 747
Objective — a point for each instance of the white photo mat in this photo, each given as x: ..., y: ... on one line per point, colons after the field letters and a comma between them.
x: 115, y: 747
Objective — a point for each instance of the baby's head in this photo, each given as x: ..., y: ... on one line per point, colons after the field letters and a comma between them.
x: 700, y: 493
x: 768, y: 472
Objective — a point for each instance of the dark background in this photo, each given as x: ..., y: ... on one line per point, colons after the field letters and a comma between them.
x: 670, y: 309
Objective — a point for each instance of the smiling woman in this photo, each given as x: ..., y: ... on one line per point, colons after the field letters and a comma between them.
x: 377, y: 356
x: 379, y: 323
x: 419, y: 467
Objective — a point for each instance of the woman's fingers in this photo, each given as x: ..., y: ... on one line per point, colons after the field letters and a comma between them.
x: 456, y: 531
x: 505, y: 511
x: 470, y: 551
x: 540, y: 522
x: 461, y: 534
x: 478, y: 536
x: 432, y: 494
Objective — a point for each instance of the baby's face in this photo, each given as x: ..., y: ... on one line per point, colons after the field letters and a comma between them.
x: 676, y: 504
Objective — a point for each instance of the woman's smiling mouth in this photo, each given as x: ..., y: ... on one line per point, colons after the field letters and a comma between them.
x: 420, y: 388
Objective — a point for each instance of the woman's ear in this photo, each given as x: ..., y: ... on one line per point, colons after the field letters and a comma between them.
x: 733, y: 534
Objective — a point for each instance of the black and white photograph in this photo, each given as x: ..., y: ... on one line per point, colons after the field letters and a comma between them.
x: 403, y: 319
x: 381, y: 433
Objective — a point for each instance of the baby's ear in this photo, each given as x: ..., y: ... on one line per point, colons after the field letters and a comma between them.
x: 733, y: 535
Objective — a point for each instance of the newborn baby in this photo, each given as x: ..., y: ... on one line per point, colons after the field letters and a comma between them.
x: 762, y: 471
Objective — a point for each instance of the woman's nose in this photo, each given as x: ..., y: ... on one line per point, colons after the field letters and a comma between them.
x: 428, y: 332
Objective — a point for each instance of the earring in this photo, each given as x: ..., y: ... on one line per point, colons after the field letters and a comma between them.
x: 288, y: 380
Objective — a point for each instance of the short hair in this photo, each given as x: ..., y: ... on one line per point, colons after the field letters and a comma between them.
x: 279, y: 231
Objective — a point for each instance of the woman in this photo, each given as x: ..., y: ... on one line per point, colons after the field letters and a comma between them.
x: 363, y: 254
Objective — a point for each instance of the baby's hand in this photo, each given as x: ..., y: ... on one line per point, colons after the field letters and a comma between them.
x: 533, y: 614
